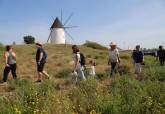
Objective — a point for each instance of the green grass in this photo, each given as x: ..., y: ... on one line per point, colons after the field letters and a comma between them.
x: 121, y: 94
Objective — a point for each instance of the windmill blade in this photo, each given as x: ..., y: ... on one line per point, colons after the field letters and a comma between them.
x: 69, y: 35
x: 61, y: 15
x: 68, y: 19
x: 53, y: 18
x: 71, y: 27
x: 49, y: 37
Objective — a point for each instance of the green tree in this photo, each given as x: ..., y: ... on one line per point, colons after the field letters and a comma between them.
x: 29, y: 39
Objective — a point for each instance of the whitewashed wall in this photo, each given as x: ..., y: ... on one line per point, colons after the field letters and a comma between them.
x: 57, y: 36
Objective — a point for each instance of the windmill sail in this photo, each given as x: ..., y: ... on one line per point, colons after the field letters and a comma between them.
x: 49, y: 36
x: 68, y: 19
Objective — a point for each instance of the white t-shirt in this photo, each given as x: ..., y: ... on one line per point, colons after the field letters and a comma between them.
x: 77, y: 56
x: 113, y: 55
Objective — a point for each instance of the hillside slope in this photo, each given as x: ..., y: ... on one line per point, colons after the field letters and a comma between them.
x: 121, y: 94
x: 59, y: 58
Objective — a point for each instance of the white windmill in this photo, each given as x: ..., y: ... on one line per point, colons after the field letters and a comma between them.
x: 58, y: 31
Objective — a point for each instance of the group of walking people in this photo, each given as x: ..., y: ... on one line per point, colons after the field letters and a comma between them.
x: 79, y: 61
x: 11, y: 58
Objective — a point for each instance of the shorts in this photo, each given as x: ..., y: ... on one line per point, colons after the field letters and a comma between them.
x: 162, y: 59
x: 40, y: 67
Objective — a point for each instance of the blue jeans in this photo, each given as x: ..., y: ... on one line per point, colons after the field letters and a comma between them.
x: 81, y: 73
x: 113, y: 68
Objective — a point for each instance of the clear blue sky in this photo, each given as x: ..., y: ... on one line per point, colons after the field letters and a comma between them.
x: 127, y: 22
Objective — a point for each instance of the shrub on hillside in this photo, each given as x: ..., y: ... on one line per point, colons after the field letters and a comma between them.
x: 29, y: 39
x: 155, y: 74
x: 153, y: 102
x: 61, y: 104
x: 29, y: 98
x: 99, y: 57
x: 121, y: 95
x: 87, y: 96
x: 64, y: 73
x: 94, y: 45
x: 103, y: 75
x: 89, y: 56
x: 123, y: 69
x: 126, y: 57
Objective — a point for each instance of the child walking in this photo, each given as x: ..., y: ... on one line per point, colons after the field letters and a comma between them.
x: 92, y: 65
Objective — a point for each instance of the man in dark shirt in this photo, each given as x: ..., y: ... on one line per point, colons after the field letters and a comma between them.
x: 41, y: 60
x: 161, y: 55
x: 138, y: 59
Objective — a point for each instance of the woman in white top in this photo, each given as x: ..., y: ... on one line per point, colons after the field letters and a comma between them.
x: 78, y: 68
x: 114, y: 58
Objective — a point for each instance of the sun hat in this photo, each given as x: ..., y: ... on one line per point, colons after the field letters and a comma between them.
x: 38, y: 44
x: 113, y: 44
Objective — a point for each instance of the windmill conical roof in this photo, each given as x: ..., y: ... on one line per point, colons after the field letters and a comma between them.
x: 57, y: 24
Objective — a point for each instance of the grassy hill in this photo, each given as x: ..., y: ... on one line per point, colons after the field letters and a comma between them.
x: 59, y: 58
x: 122, y: 94
x: 94, y: 45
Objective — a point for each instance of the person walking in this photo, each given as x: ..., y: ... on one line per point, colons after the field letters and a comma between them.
x: 138, y: 60
x: 92, y: 65
x: 41, y: 57
x: 161, y: 55
x: 79, y: 62
x: 10, y: 63
x: 114, y: 58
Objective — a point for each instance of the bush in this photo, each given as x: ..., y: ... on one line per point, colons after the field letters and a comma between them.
x: 61, y: 104
x: 29, y: 39
x: 29, y: 98
x: 89, y: 56
x: 94, y: 45
x: 126, y: 57
x: 99, y: 57
x: 87, y: 96
x: 123, y: 70
x: 64, y: 73
x: 155, y: 74
x: 152, y: 103
x: 102, y: 75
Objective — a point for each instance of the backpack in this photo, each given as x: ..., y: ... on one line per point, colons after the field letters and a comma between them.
x: 82, y: 59
x: 44, y: 56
